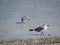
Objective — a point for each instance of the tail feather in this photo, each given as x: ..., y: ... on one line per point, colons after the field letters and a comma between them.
x: 31, y: 30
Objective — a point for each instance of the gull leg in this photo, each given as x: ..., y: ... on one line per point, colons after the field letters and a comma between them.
x: 42, y: 33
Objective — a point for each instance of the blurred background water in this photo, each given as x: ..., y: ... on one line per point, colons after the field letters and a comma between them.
x: 39, y: 11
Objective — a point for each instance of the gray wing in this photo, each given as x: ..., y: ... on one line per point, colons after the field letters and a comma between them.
x: 38, y: 29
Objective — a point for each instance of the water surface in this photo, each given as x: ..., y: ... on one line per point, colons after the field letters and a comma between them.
x: 39, y: 11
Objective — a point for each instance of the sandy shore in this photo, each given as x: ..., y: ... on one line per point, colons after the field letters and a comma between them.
x: 39, y: 41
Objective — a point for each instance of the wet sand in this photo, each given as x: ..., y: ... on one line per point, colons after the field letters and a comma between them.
x: 33, y: 41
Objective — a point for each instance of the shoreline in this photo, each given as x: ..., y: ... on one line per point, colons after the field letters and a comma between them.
x: 32, y: 41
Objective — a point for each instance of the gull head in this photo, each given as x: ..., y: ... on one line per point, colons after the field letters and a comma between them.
x: 45, y: 26
x: 25, y: 19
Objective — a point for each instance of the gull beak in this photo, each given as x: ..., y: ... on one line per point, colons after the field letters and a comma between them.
x: 28, y: 19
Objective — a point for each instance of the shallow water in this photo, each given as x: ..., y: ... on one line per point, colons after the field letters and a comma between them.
x: 39, y: 11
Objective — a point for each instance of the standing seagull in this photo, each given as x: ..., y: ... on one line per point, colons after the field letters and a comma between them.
x: 25, y: 22
x: 40, y: 28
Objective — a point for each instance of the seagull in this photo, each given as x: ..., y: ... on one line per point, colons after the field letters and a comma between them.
x: 40, y: 28
x: 25, y: 19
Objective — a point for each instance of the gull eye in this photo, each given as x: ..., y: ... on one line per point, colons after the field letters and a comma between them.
x: 48, y: 25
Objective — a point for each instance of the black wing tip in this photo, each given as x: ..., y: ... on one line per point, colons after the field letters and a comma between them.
x: 30, y: 29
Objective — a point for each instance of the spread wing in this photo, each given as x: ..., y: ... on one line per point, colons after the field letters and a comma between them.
x: 38, y: 29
